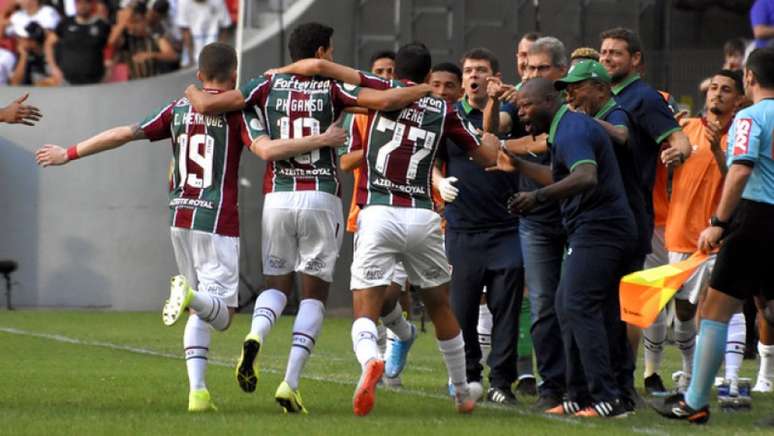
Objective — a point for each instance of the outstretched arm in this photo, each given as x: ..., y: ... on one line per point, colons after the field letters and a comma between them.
x: 51, y: 154
x: 320, y: 67
x: 528, y: 144
x: 619, y: 134
x: 279, y: 149
x: 17, y: 112
x: 581, y: 179
x: 206, y: 103
x: 391, y: 99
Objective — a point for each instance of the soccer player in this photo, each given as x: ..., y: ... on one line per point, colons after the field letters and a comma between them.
x: 621, y: 55
x: 585, y: 179
x: 446, y: 81
x: 397, y: 221
x: 350, y: 159
x: 742, y: 221
x: 482, y: 241
x: 203, y: 202
x: 587, y: 85
x: 302, y: 223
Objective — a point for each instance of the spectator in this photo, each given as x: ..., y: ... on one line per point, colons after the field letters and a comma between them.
x: 160, y: 16
x: 762, y: 21
x: 75, y: 50
x: 583, y: 53
x: 142, y: 52
x: 31, y: 69
x: 201, y: 22
x: 31, y: 10
x: 521, y: 52
x: 383, y: 64
x: 7, y: 63
x: 733, y: 52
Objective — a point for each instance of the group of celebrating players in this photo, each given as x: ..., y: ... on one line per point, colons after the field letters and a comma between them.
x: 553, y: 184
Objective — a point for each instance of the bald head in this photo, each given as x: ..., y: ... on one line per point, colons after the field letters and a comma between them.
x: 538, y: 102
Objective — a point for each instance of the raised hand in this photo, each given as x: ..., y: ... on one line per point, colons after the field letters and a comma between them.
x: 19, y: 113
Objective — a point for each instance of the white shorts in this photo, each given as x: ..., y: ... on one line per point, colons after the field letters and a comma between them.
x: 387, y: 235
x: 399, y: 276
x: 659, y: 255
x: 209, y: 262
x: 301, y: 231
x: 699, y: 280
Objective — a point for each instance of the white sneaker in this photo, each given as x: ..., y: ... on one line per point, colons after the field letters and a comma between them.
x: 763, y: 385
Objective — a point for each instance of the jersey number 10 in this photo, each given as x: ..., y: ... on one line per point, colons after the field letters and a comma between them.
x: 190, y: 150
x: 298, y: 132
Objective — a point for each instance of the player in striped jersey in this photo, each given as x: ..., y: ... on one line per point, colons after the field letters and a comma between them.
x: 397, y: 221
x: 204, y: 217
x: 302, y: 225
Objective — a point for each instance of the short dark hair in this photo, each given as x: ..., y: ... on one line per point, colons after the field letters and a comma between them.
x: 217, y: 61
x: 734, y: 45
x: 482, y: 54
x: 624, y: 34
x: 306, y: 38
x: 531, y: 36
x: 448, y: 67
x: 736, y: 76
x: 413, y: 62
x: 761, y: 64
x: 381, y: 54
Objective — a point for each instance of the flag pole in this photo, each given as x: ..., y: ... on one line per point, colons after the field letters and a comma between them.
x: 240, y: 32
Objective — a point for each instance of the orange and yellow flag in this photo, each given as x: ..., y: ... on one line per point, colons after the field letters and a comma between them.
x: 645, y: 293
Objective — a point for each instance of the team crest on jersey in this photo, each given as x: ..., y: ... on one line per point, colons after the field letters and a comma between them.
x: 742, y: 138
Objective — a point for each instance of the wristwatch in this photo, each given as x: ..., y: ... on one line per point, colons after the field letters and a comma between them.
x: 540, y: 196
x: 716, y: 222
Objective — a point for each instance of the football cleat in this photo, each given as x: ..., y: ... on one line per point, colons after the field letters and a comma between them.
x: 605, y: 409
x: 675, y: 407
x: 655, y: 386
x: 546, y: 402
x: 397, y: 353
x: 247, y: 367
x: 463, y: 400
x: 365, y: 392
x: 288, y: 399
x: 527, y: 385
x: 180, y: 295
x: 763, y: 385
x: 392, y: 382
x: 565, y: 408
x: 503, y: 397
x: 200, y: 401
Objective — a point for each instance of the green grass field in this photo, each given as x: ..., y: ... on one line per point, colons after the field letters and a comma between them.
x: 90, y: 372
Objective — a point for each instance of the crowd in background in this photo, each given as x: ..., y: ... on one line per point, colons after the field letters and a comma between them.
x: 78, y: 42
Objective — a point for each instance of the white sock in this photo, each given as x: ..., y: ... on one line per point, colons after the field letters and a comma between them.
x: 196, y: 343
x: 381, y: 339
x: 364, y: 340
x: 397, y: 323
x: 653, y: 339
x: 306, y: 327
x: 453, y: 351
x: 737, y: 334
x: 685, y: 337
x: 268, y: 308
x: 766, y: 369
x: 484, y: 329
x: 211, y: 310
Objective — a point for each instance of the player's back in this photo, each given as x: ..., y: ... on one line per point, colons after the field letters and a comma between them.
x: 400, y: 151
x: 295, y: 107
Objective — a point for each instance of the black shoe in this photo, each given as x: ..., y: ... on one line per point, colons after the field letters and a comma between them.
x: 632, y: 400
x: 527, y: 386
x: 675, y: 407
x: 502, y: 396
x: 546, y: 402
x: 605, y: 409
x: 654, y: 385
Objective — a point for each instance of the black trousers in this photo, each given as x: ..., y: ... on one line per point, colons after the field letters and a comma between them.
x: 490, y: 259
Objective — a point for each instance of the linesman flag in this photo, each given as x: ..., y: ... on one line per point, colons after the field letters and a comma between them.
x: 645, y: 293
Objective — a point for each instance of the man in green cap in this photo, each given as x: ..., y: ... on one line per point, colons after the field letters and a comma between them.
x: 587, y: 86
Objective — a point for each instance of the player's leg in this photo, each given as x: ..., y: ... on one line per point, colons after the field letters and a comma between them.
x: 765, y: 380
x: 402, y: 333
x: 654, y: 336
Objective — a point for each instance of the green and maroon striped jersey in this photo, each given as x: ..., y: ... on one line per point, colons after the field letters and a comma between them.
x: 294, y: 107
x: 400, y: 148
x: 206, y: 150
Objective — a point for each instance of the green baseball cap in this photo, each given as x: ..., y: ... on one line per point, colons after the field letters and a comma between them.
x: 583, y: 70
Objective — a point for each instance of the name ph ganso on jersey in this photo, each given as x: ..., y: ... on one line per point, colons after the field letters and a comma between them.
x: 303, y: 172
x: 197, y: 118
x: 296, y: 105
x: 191, y: 202
x: 408, y: 189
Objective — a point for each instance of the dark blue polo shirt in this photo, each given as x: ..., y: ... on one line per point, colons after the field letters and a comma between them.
x: 481, y: 203
x: 601, y: 214
x: 654, y: 122
x: 614, y: 114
